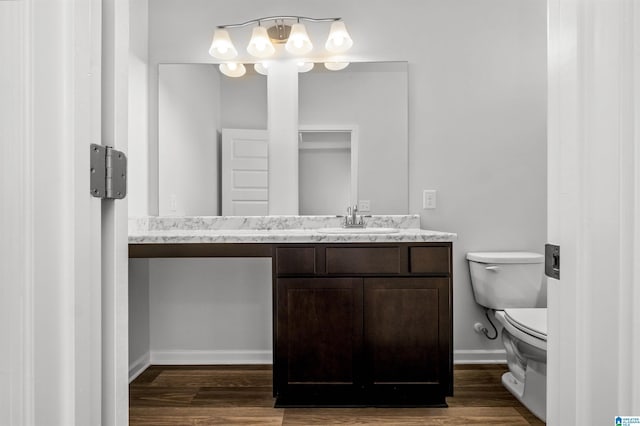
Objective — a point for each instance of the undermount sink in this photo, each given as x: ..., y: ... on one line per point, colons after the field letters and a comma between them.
x: 358, y: 230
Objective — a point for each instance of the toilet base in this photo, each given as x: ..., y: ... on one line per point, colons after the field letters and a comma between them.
x: 533, y: 399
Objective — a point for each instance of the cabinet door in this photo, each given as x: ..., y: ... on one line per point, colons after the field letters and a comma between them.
x: 318, y: 339
x: 407, y: 338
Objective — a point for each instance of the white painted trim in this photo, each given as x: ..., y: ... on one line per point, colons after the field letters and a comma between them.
x: 634, y: 299
x: 480, y: 356
x: 629, y: 224
x: 115, y: 262
x: 217, y: 357
x: 138, y: 366
x: 83, y: 76
x: 17, y: 384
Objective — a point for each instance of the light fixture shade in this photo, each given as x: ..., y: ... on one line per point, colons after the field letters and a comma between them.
x: 305, y: 66
x: 339, y: 39
x: 299, y: 42
x: 260, y: 45
x: 233, y: 69
x: 221, y: 46
x: 336, y: 66
x: 261, y: 68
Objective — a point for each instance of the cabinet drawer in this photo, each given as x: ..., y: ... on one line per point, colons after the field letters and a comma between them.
x: 429, y: 260
x: 363, y: 260
x: 296, y: 260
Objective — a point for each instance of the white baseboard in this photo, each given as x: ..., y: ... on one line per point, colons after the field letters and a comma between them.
x: 139, y: 366
x: 180, y: 357
x: 480, y: 356
x: 222, y: 357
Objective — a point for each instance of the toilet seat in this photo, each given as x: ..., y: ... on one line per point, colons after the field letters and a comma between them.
x: 526, y: 324
x: 532, y: 321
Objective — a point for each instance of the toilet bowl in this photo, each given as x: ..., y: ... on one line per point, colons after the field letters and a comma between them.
x: 524, y: 336
x: 511, y: 284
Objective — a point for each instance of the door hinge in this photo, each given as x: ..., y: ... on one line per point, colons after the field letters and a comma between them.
x: 552, y: 261
x: 108, y: 171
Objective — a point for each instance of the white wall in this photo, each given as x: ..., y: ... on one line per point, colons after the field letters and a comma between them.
x: 210, y: 310
x: 477, y: 108
x: 139, y: 327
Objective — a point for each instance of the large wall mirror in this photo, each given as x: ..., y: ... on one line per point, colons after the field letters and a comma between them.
x: 353, y: 140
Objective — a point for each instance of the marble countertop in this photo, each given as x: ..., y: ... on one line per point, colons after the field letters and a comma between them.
x: 275, y: 229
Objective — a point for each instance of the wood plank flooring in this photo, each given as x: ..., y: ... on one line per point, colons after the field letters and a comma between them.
x: 241, y: 395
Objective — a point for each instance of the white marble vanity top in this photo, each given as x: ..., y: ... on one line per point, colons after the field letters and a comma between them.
x: 276, y: 229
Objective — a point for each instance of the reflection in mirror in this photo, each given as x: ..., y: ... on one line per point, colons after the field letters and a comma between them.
x: 327, y: 168
x: 371, y: 97
x: 353, y: 139
x: 195, y: 102
x: 245, y: 172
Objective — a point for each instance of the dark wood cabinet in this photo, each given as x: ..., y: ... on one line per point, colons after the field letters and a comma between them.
x: 361, y: 324
x: 319, y: 322
x: 407, y: 358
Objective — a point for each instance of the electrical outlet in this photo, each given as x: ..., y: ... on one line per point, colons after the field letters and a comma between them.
x: 429, y: 199
x: 364, y: 205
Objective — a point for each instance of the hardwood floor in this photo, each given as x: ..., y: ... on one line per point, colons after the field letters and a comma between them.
x: 241, y: 395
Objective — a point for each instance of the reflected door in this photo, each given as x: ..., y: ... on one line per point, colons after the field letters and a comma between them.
x: 245, y: 172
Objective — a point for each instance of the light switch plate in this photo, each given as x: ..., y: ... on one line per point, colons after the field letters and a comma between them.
x: 429, y: 199
x: 364, y: 205
x: 173, y: 203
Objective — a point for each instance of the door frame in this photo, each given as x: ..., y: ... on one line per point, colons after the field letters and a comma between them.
x: 115, y: 245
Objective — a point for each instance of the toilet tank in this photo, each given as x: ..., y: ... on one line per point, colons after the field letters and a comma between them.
x: 502, y: 280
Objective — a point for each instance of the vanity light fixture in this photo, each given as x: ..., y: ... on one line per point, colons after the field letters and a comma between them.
x: 336, y: 66
x: 339, y: 40
x: 233, y: 69
x: 261, y: 67
x: 260, y: 45
x: 221, y: 46
x: 282, y: 30
x: 299, y: 42
x: 305, y: 66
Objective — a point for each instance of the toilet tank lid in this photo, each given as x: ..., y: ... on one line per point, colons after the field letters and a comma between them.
x: 505, y: 257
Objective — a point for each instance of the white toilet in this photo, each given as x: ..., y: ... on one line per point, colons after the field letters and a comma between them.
x: 511, y: 284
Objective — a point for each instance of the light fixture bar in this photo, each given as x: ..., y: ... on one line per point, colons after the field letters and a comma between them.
x: 271, y: 32
x: 276, y: 18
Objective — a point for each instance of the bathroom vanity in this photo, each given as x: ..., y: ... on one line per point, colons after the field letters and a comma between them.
x: 359, y: 319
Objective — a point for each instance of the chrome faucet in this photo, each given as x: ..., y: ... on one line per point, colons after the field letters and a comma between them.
x: 352, y: 220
